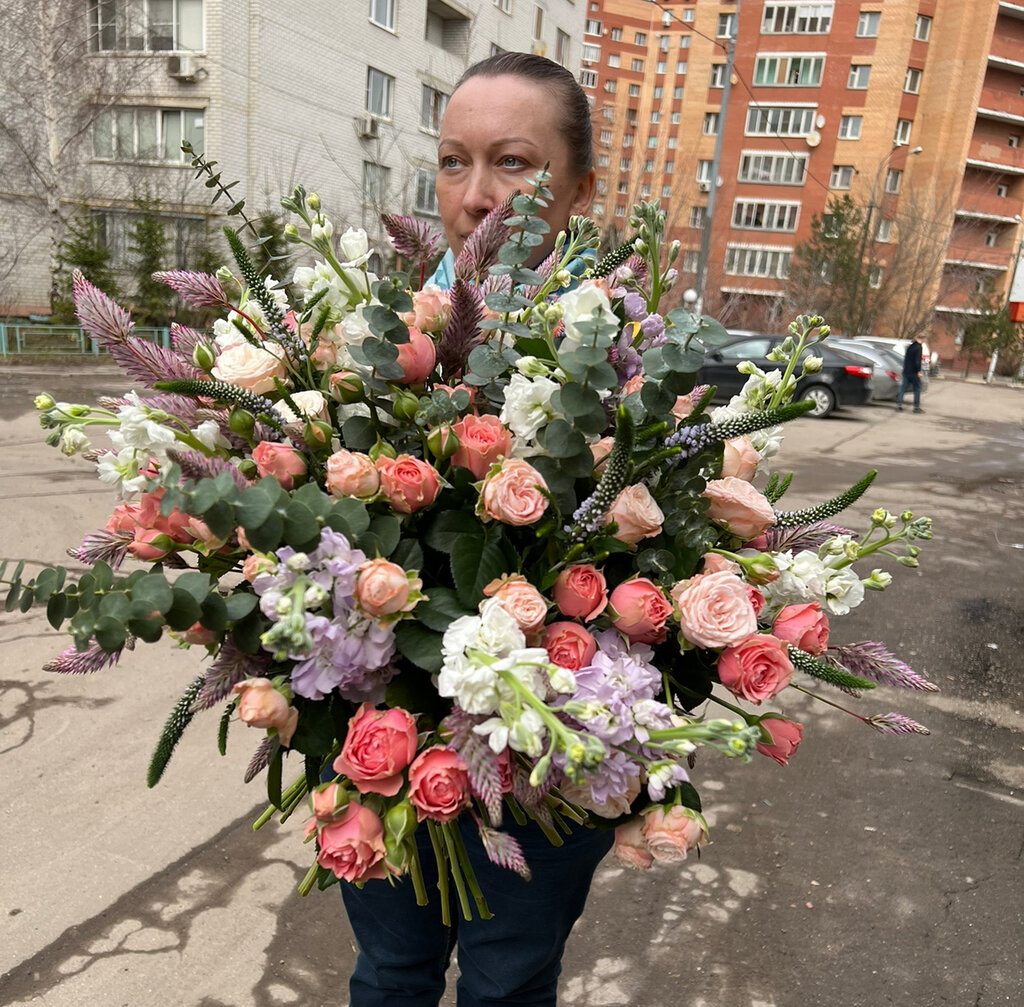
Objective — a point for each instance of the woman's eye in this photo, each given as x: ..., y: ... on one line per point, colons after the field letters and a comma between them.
x: 449, y: 162
x: 510, y: 161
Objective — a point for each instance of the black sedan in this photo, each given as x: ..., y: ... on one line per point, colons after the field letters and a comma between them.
x: 844, y: 379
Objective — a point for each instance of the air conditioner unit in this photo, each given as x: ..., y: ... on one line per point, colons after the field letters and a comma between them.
x: 704, y: 186
x: 182, y: 69
x: 368, y: 127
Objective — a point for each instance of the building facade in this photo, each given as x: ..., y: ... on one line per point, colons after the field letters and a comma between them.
x: 342, y: 97
x: 747, y: 117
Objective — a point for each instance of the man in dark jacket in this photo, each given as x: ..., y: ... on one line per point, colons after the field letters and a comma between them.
x: 911, y: 375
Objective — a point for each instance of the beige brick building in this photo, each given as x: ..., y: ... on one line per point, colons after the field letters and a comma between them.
x: 343, y: 96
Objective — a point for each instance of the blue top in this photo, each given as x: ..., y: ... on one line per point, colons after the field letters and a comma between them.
x: 444, y: 275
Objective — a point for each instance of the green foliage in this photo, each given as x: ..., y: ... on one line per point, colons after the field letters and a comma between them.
x: 85, y: 249
x: 153, y: 303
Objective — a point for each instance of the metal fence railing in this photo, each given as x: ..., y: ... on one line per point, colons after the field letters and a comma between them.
x: 35, y: 339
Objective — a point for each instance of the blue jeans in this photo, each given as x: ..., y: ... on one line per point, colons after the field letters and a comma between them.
x: 910, y: 381
x: 514, y: 958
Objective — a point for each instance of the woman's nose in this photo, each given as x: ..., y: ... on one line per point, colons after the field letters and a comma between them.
x: 479, y: 196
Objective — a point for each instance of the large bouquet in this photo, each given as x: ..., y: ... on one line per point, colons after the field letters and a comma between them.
x: 464, y: 554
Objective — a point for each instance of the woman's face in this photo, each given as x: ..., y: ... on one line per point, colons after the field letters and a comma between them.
x: 496, y: 134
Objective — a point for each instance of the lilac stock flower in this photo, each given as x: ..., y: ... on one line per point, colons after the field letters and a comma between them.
x: 349, y: 655
x: 635, y: 306
x: 653, y: 328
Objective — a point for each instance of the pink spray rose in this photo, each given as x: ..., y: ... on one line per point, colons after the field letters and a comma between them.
x: 714, y: 563
x: 569, y: 645
x: 408, y: 483
x: 521, y: 600
x: 483, y: 440
x: 261, y: 705
x: 756, y: 669
x: 254, y: 565
x: 378, y: 746
x: 601, y: 450
x: 438, y: 784
x: 416, y: 357
x: 786, y: 735
x: 282, y: 461
x: 383, y: 588
x: 630, y: 849
x: 431, y: 309
x: 329, y: 801
x: 670, y: 833
x: 715, y: 609
x: 738, y: 507
x: 351, y: 474
x: 581, y: 592
x: 352, y: 846
x: 804, y: 626
x: 636, y: 514
x: 640, y: 610
x: 512, y: 495
x: 740, y: 459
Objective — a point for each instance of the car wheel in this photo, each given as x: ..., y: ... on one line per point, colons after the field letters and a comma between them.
x: 824, y: 400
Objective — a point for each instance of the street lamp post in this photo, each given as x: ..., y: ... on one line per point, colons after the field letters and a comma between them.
x: 866, y: 236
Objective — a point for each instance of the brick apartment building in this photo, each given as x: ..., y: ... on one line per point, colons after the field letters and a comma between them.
x: 815, y: 100
x: 344, y: 96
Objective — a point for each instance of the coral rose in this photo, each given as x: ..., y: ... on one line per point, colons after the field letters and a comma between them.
x: 786, y: 736
x: 670, y: 833
x: 416, y: 357
x: 438, y: 784
x: 636, y: 514
x: 804, y: 626
x: 738, y: 507
x: 250, y: 367
x: 408, y: 483
x: 715, y: 609
x: 351, y: 474
x: 378, y: 746
x: 328, y: 802
x: 630, y: 849
x: 431, y: 309
x: 740, y: 459
x: 352, y: 846
x: 581, y: 592
x: 756, y: 669
x: 569, y: 645
x: 640, y: 610
x: 282, y: 461
x: 521, y: 600
x: 483, y: 440
x: 261, y: 705
x: 512, y: 495
x: 715, y: 563
x: 383, y: 588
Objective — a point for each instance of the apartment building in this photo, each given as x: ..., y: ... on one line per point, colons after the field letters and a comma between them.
x: 343, y: 96
x: 746, y: 117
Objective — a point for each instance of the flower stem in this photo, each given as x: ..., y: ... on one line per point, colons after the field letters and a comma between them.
x: 306, y: 884
x: 447, y: 828
x: 442, y: 872
x: 467, y: 869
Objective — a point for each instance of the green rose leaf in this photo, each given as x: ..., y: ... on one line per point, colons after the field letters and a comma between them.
x: 475, y: 562
x: 448, y: 527
x: 419, y: 645
x: 441, y: 610
x: 382, y: 537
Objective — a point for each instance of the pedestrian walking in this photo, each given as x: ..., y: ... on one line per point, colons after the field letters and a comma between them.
x: 911, y: 375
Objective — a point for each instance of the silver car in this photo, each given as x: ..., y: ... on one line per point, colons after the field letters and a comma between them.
x: 888, y: 367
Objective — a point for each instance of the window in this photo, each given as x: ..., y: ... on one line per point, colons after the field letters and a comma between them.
x: 380, y: 89
x: 495, y: 50
x: 922, y: 28
x: 673, y: 141
x: 684, y: 41
x: 592, y: 54
x: 765, y: 216
x: 634, y: 90
x: 184, y: 235
x: 614, y: 60
x: 145, y: 25
x: 588, y: 78
x: 681, y: 66
x: 726, y: 25
x: 1013, y: 140
x: 717, y: 75
x: 841, y: 177
x: 875, y: 277
x: 652, y: 142
x: 382, y: 12
x: 375, y: 184
x: 426, y: 194
x: 691, y: 260
x: 884, y: 232
x: 675, y: 118
x: 772, y: 168
x: 627, y: 139
x: 893, y: 180
x: 991, y: 238
x: 602, y: 160
x: 616, y: 35
x: 780, y: 120
x: 663, y: 42
x: 688, y: 14
x: 704, y: 171
x: 659, y: 90
x: 626, y: 164
x: 645, y: 190
x: 620, y: 211
x: 902, y: 134
x: 561, y: 47
x: 640, y: 38
x: 859, y: 77
x: 797, y: 19
x: 592, y: 27
x: 446, y: 27
x: 912, y: 82
x: 677, y: 92
x: 655, y: 117
x: 790, y: 71
x: 505, y: 6
x: 830, y: 226
x: 710, y: 123
x: 631, y: 117
x: 1002, y: 191
x: 611, y: 86
x: 666, y: 191
x: 741, y: 260
x: 538, y: 23
x: 648, y: 165
x: 147, y: 134
x: 698, y: 214
x: 867, y: 24
x: 849, y: 127
x: 622, y: 188
x: 661, y: 66
x: 601, y: 186
x: 637, y: 66
x: 605, y: 138
x: 598, y: 209
x: 670, y: 167
x: 432, y: 106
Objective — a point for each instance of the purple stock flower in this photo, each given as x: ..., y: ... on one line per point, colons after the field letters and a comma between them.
x: 653, y: 328
x: 349, y: 654
x: 635, y: 306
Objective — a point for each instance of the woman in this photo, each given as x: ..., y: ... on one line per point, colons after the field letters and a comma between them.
x: 508, y: 116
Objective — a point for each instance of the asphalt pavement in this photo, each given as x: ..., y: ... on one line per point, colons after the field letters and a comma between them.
x: 873, y: 870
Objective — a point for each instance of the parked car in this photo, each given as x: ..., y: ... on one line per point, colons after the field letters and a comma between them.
x: 929, y: 364
x: 888, y: 367
x: 844, y: 380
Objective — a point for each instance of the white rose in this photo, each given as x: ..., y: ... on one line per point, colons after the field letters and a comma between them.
x: 311, y: 404
x: 582, y: 309
x: 251, y: 367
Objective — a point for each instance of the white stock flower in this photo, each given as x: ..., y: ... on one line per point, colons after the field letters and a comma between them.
x: 527, y: 405
x: 801, y: 578
x: 470, y: 683
x: 208, y: 434
x: 843, y: 591
x: 354, y: 247
x: 581, y: 309
x: 121, y: 470
x: 321, y: 231
x: 73, y: 441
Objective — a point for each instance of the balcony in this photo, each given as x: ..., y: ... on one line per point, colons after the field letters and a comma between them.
x: 987, y: 206
x: 988, y: 152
